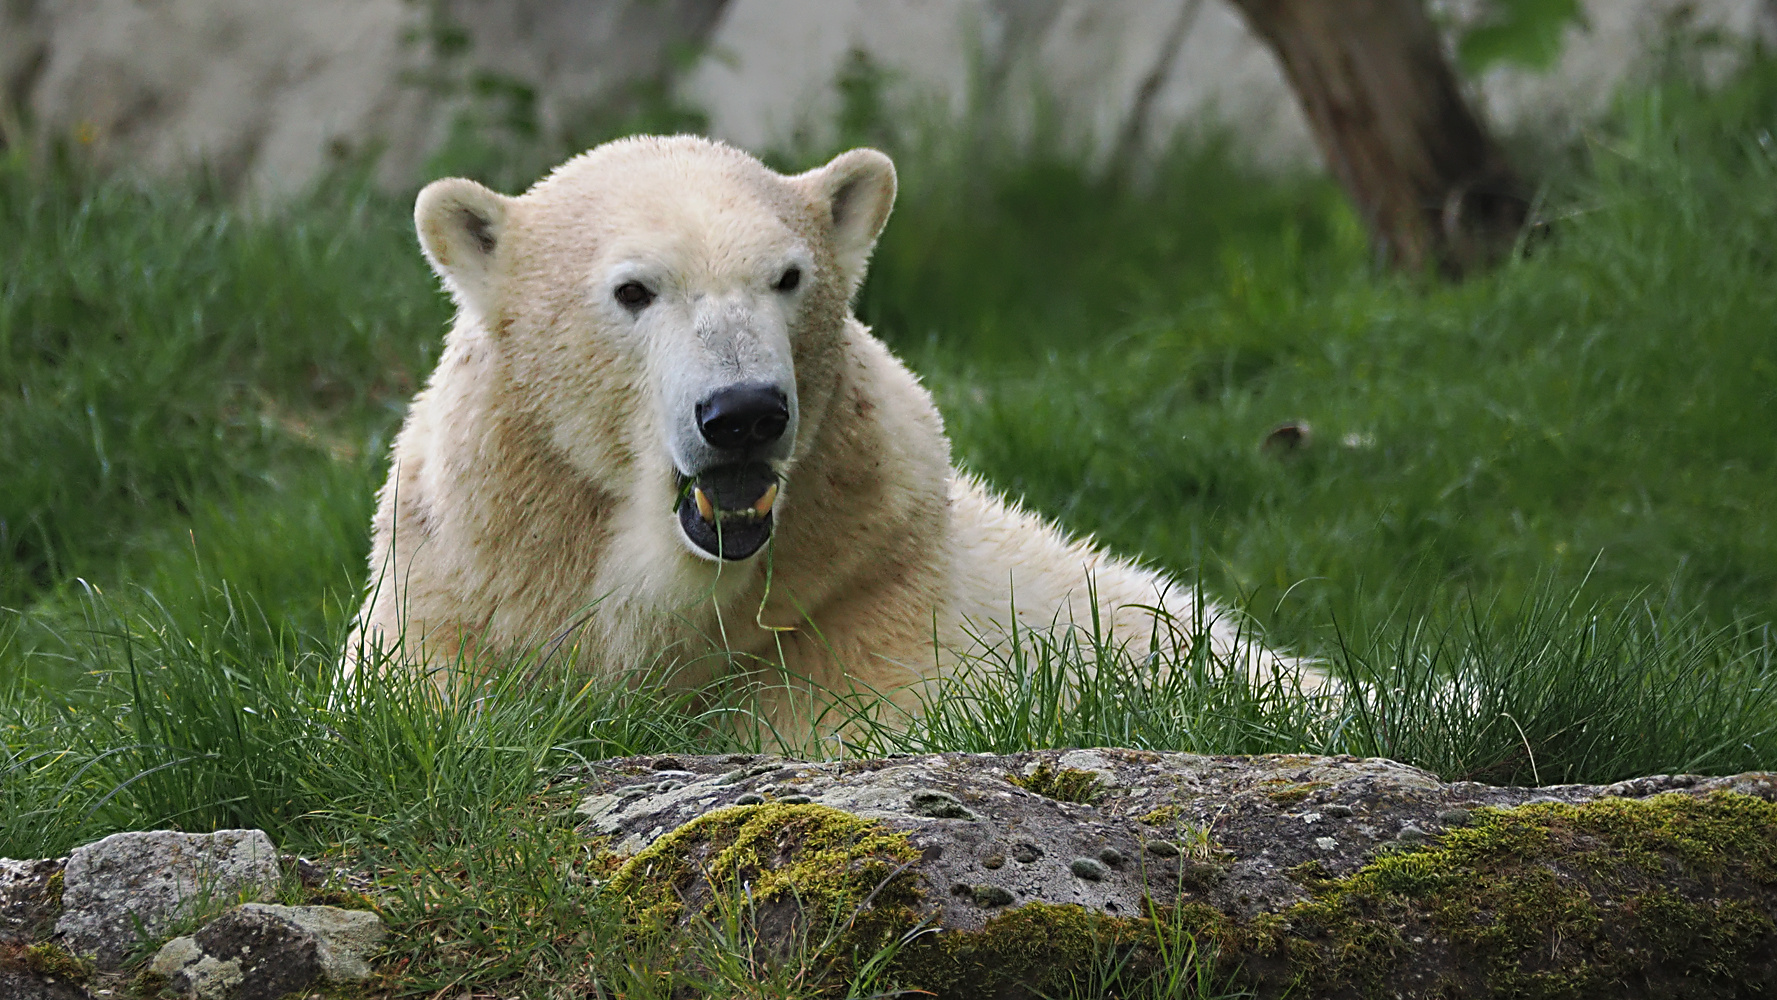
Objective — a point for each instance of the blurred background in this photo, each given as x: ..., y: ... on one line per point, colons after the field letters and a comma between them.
x: 268, y: 97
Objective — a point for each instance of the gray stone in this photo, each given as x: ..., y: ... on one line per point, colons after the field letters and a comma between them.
x: 1455, y: 817
x: 991, y: 895
x: 1087, y: 869
x: 263, y: 952
x: 28, y: 902
x: 937, y: 805
x: 271, y: 96
x: 24, y: 984
x: 134, y: 884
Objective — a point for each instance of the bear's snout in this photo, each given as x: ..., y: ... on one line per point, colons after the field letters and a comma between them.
x: 747, y: 415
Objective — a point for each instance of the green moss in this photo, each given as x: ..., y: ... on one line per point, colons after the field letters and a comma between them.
x: 52, y: 960
x: 1609, y: 899
x: 1161, y: 816
x: 54, y: 888
x: 1552, y: 900
x: 820, y: 863
x: 1040, y: 947
x: 1293, y: 792
x: 1066, y: 785
x: 345, y: 899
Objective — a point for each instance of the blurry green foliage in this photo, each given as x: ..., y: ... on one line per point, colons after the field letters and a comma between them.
x: 1527, y: 33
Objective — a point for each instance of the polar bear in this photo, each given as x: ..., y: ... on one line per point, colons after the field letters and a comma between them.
x: 657, y: 427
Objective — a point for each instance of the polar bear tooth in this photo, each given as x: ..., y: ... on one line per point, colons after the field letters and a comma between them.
x: 705, y: 509
x: 763, y: 506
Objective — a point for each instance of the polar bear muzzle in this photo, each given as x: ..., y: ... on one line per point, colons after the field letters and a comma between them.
x: 726, y: 510
x: 749, y: 415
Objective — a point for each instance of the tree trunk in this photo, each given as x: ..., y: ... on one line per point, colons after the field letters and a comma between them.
x: 1371, y: 75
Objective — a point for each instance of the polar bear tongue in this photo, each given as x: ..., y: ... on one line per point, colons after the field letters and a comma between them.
x: 727, y: 510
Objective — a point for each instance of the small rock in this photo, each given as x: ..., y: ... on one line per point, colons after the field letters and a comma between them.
x: 1088, y: 869
x: 992, y: 895
x: 141, y: 883
x: 938, y: 805
x: 1161, y: 848
x: 1336, y: 810
x: 263, y: 952
x: 1326, y: 843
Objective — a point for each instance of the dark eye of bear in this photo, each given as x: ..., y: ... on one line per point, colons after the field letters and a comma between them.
x: 634, y: 294
x: 790, y: 280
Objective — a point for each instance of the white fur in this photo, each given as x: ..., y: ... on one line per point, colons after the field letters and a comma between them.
x: 532, y: 486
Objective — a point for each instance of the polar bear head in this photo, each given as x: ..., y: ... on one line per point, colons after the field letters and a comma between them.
x: 671, y: 314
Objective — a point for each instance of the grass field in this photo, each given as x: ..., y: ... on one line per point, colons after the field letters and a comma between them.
x: 1537, y: 512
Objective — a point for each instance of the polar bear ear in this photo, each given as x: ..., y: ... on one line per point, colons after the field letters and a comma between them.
x: 460, y: 224
x: 858, y: 188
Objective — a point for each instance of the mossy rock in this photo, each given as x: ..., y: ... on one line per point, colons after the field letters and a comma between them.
x: 1621, y: 891
x: 796, y: 869
x: 1665, y: 897
x: 1068, y: 784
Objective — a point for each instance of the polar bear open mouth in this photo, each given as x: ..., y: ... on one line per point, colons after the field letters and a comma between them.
x: 726, y: 510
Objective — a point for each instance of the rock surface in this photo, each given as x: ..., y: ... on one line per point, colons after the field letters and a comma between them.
x: 29, y: 901
x: 270, y: 96
x: 132, y: 884
x: 24, y: 984
x: 263, y: 952
x: 1325, y: 876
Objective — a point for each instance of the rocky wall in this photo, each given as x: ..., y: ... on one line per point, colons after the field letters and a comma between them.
x: 269, y: 96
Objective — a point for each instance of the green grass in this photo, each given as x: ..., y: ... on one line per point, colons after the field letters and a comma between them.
x: 1534, y: 521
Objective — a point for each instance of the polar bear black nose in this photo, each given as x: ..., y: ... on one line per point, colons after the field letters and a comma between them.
x: 743, y: 416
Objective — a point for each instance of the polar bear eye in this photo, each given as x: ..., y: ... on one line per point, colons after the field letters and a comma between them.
x: 633, y: 295
x: 790, y: 280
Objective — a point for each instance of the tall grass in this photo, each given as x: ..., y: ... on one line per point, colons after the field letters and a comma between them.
x: 1597, y: 412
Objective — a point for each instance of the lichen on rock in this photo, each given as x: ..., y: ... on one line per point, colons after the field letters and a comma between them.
x: 1364, y: 878
x: 1552, y: 899
x: 1069, y: 784
x: 802, y: 866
